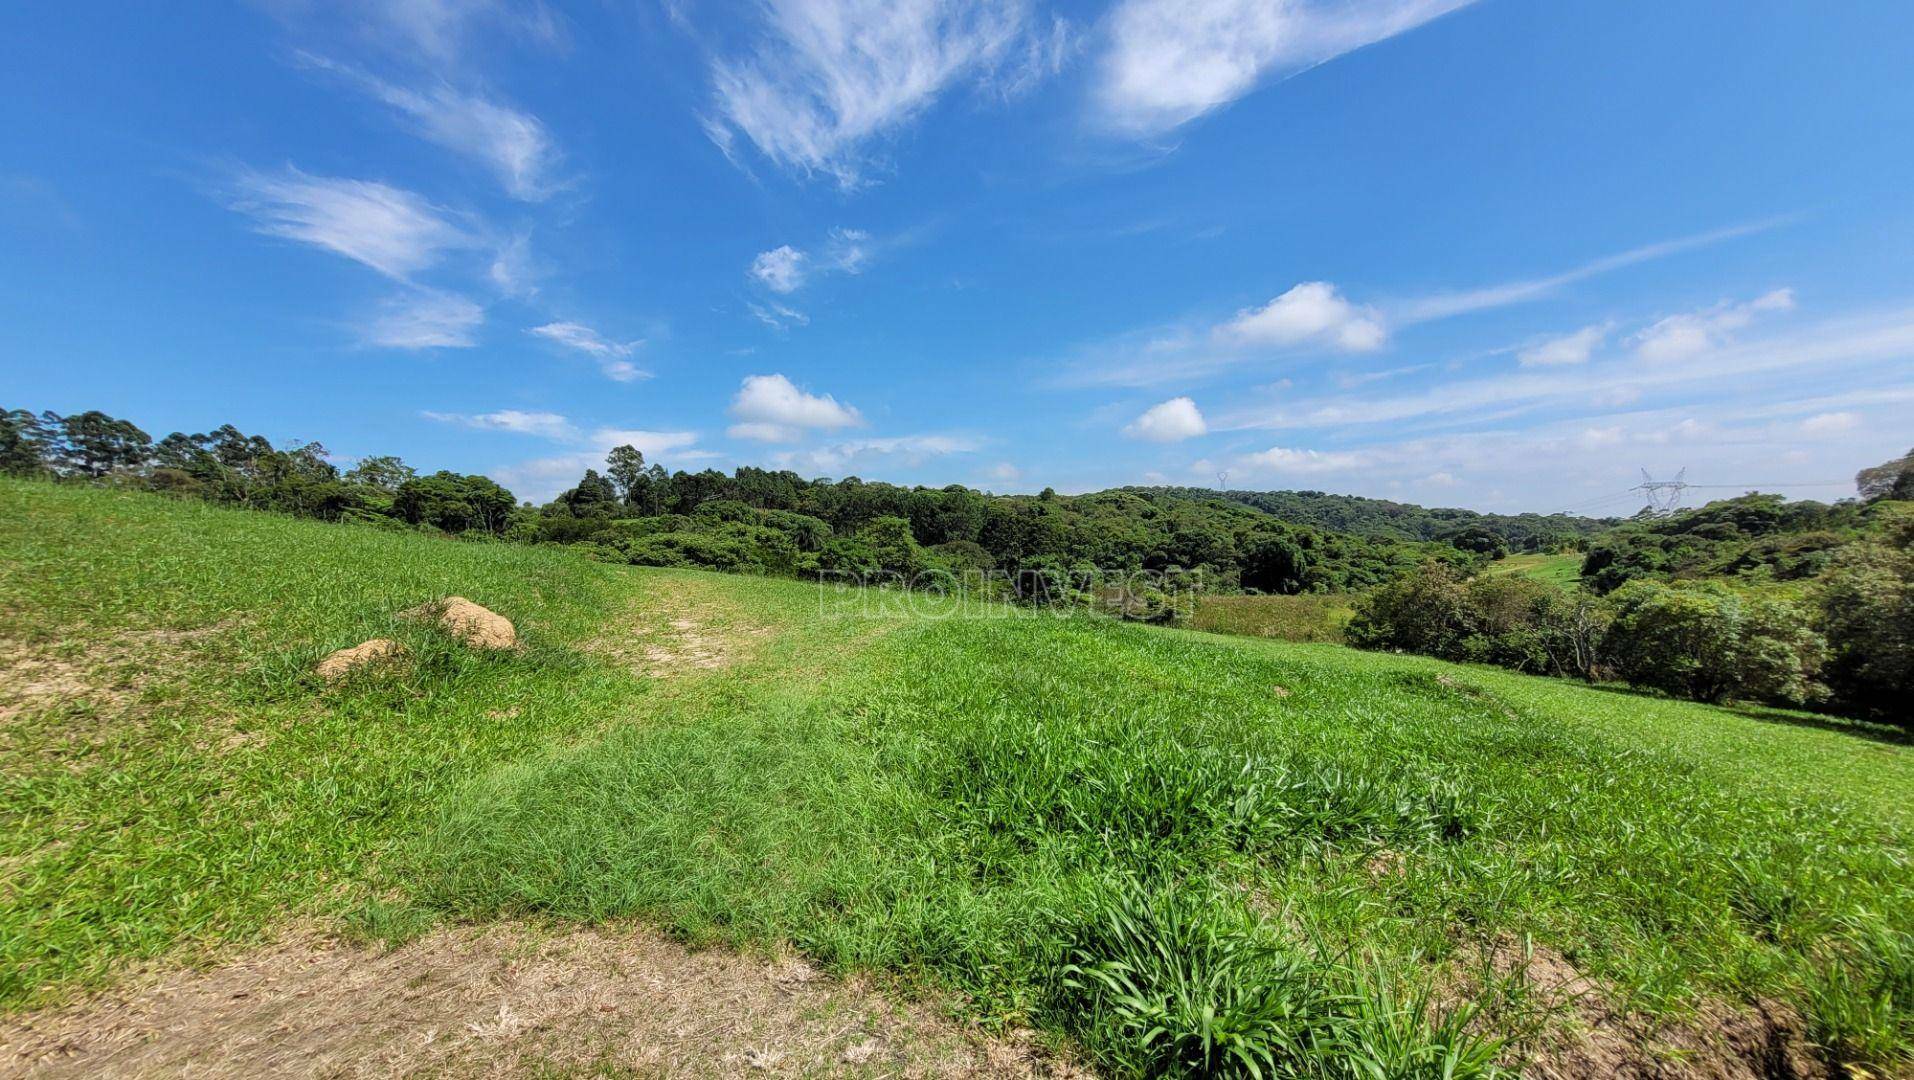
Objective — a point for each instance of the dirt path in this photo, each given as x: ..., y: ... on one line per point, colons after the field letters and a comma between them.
x: 507, y: 999
x: 681, y: 625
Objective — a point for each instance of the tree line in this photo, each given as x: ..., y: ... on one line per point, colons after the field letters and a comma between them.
x: 756, y: 520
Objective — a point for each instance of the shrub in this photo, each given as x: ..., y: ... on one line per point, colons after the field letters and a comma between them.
x: 1708, y: 643
x: 1867, y: 612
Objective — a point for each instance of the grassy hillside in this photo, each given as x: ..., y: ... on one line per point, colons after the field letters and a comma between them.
x: 1563, y: 570
x: 1301, y: 855
x: 1305, y: 617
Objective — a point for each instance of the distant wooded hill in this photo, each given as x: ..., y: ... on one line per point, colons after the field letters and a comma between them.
x: 1384, y: 519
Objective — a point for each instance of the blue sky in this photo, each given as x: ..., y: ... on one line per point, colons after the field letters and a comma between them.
x: 1499, y: 254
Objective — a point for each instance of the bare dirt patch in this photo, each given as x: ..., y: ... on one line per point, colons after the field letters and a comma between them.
x: 106, y: 672
x: 509, y: 999
x: 1597, y: 1039
x: 682, y: 631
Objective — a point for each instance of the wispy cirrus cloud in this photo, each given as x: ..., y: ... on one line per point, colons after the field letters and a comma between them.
x: 389, y: 229
x: 826, y: 77
x: 1167, y: 62
x: 425, y: 319
x: 613, y: 357
x: 1574, y: 348
x: 547, y: 425
x: 1318, y: 315
x: 1679, y: 337
x: 1443, y: 305
x: 1783, y: 366
x: 510, y: 142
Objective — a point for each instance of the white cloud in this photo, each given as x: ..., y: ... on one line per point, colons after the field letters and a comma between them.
x: 438, y: 31
x: 1572, y: 348
x: 426, y: 319
x: 1170, y: 61
x: 1005, y: 472
x: 388, y: 229
x: 785, y: 269
x: 777, y: 316
x: 1449, y: 304
x: 508, y: 141
x: 1679, y: 337
x: 770, y: 408
x: 909, y: 451
x: 1830, y: 423
x: 1288, y: 461
x: 611, y: 355
x: 1172, y: 421
x: 542, y: 478
x: 1876, y: 346
x: 1311, y: 312
x: 546, y: 425
x: 781, y: 269
x: 829, y: 75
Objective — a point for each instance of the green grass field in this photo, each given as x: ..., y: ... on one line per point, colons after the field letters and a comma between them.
x: 1564, y: 570
x: 1177, y: 851
x: 1310, y: 617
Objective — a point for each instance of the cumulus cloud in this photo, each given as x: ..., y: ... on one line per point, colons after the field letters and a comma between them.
x: 781, y: 269
x: 1312, y: 312
x: 610, y: 355
x: 388, y: 229
x: 1680, y: 337
x: 426, y: 319
x: 770, y: 408
x: 546, y: 425
x: 1172, y: 421
x: 1167, y: 62
x: 512, y: 143
x: 1573, y: 348
x: 827, y: 76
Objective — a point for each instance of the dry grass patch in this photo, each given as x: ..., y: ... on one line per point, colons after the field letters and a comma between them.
x: 506, y: 999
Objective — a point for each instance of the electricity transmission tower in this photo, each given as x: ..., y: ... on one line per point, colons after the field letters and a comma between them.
x: 1664, y: 496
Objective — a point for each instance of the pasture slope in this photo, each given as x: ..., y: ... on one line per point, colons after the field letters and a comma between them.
x: 701, y: 824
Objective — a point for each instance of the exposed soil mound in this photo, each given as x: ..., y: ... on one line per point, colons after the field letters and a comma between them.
x: 474, y: 624
x: 363, y: 655
x: 1759, y: 1042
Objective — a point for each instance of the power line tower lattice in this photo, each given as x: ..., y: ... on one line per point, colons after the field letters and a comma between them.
x: 1664, y: 496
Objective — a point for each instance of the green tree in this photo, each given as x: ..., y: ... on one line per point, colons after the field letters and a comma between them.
x: 1866, y: 605
x: 455, y: 503
x: 383, y: 471
x: 93, y: 444
x: 1710, y: 643
x: 1888, y: 480
x: 24, y: 443
x: 625, y: 466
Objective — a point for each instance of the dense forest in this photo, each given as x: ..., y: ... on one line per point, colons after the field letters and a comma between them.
x: 1385, y: 520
